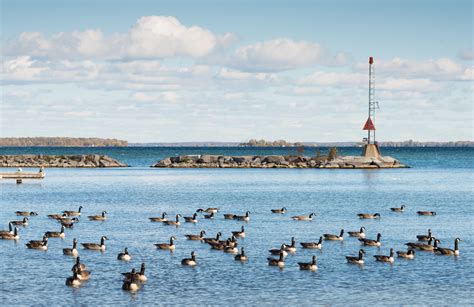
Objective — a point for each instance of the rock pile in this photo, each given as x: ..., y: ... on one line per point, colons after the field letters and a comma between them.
x: 67, y: 161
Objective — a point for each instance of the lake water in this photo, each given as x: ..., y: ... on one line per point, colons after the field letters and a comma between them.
x: 441, y: 179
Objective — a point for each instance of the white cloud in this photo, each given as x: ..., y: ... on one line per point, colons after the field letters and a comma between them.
x: 335, y: 79
x: 468, y: 74
x: 467, y: 54
x: 232, y: 74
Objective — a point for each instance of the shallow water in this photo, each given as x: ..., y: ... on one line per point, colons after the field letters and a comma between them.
x: 131, y: 195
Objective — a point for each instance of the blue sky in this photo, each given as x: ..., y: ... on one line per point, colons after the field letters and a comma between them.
x: 232, y: 70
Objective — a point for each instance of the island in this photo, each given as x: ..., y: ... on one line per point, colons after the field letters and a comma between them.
x: 61, y: 142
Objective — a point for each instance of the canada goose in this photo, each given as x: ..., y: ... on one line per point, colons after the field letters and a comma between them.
x: 175, y: 222
x: 280, y: 262
x: 356, y: 259
x: 198, y: 237
x: 278, y: 251
x: 245, y: 217
x: 426, y: 212
x: 71, y: 251
x: 313, y: 245
x: 239, y: 234
x: 68, y: 223
x: 140, y: 275
x: 38, y: 242
x: 73, y: 281
x: 131, y: 284
x: 416, y: 245
x: 229, y: 216
x: 447, y: 251
x: 56, y: 216
x: 428, y: 247
x: 190, y: 261
x: 232, y: 242
x: 369, y: 242
x: 279, y: 211
x: 78, y: 265
x: 208, y: 210
x: 10, y: 236
x: 332, y: 237
x: 42, y: 245
x: 23, y: 222
x: 209, y: 216
x: 385, y: 258
x: 231, y: 249
x: 216, y: 239
x: 401, y: 209
x: 82, y: 274
x: 425, y: 237
x: 410, y: 254
x: 368, y: 215
x: 167, y: 246
x: 159, y: 219
x: 309, y: 266
x: 292, y: 247
x: 241, y: 256
x: 220, y: 245
x: 25, y: 213
x: 191, y: 219
x: 125, y: 256
x: 303, y: 217
x: 73, y: 213
x: 9, y: 231
x: 357, y: 234
x: 100, y: 217
x: 56, y: 234
x: 95, y: 246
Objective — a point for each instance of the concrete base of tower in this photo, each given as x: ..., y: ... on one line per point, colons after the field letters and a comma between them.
x: 371, y: 151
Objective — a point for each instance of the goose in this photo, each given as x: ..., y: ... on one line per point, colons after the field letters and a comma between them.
x: 73, y: 281
x: 100, y: 217
x: 229, y: 216
x: 131, y: 284
x: 292, y: 247
x: 82, y: 274
x: 447, y: 251
x: 332, y: 237
x: 73, y: 213
x: 309, y: 266
x: 10, y: 236
x: 191, y: 219
x: 125, y: 256
x: 159, y: 219
x: 167, y: 246
x: 423, y: 246
x: 23, y: 222
x: 231, y: 249
x: 78, y: 265
x: 244, y: 218
x: 140, y: 275
x: 56, y: 234
x: 69, y: 223
x: 368, y: 215
x: 356, y: 259
x: 209, y: 216
x: 175, y: 222
x: 416, y: 245
x: 9, y: 231
x: 357, y: 234
x: 220, y: 245
x: 278, y: 251
x: 426, y: 212
x: 216, y: 239
x: 385, y: 258
x: 56, y: 216
x: 68, y: 220
x: 425, y: 237
x: 279, y: 211
x: 401, y: 209
x: 190, y: 261
x: 410, y: 254
x: 38, y: 242
x: 303, y: 217
x: 199, y: 237
x: 26, y: 213
x: 370, y: 242
x: 232, y: 242
x: 313, y: 245
x: 239, y: 234
x: 71, y: 251
x: 208, y: 210
x: 42, y: 245
x: 280, y: 262
x: 241, y: 256
x: 95, y: 246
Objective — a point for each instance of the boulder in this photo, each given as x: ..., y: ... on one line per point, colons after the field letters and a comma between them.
x: 274, y: 159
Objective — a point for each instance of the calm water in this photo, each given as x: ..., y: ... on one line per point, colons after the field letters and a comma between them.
x: 441, y: 180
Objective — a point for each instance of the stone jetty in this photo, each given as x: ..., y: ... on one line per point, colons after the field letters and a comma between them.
x: 60, y: 161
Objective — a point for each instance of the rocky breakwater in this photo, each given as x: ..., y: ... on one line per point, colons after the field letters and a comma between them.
x: 66, y: 161
x: 276, y: 161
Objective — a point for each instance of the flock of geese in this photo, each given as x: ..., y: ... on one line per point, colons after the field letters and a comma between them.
x: 133, y: 280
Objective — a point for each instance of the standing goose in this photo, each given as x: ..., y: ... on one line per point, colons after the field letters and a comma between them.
x: 176, y: 222
x: 292, y: 247
x: 447, y: 251
x: 73, y: 281
x: 279, y: 211
x: 357, y: 234
x: 100, y: 217
x: 356, y: 259
x: 425, y: 237
x: 215, y: 240
x: 241, y: 256
x: 333, y: 237
x: 208, y: 210
x: 42, y: 245
x: 10, y: 236
x: 26, y: 213
x: 125, y: 256
x: 278, y: 251
x: 191, y: 219
x: 95, y: 246
x: 401, y: 209
x: 9, y: 231
x: 209, y: 216
x: 385, y: 258
x: 56, y: 234
x: 370, y: 242
x: 313, y: 245
x: 199, y: 237
x: 190, y: 261
x: 303, y: 217
x: 167, y: 246
x: 131, y: 284
x: 244, y: 218
x: 309, y: 266
x: 140, y: 275
x: 426, y: 212
x: 368, y: 215
x: 73, y: 213
x: 239, y: 234
x: 71, y: 251
x: 159, y: 219
x: 409, y: 254
x: 23, y: 222
x: 280, y: 262
x: 229, y: 216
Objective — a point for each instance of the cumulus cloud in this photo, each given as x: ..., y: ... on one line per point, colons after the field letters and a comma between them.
x: 336, y: 79
x: 467, y: 54
x: 468, y: 74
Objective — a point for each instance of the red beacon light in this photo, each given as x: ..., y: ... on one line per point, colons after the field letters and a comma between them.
x: 371, y: 60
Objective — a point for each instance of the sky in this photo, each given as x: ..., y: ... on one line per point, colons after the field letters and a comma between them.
x: 181, y: 71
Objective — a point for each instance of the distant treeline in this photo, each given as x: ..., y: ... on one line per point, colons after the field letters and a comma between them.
x: 409, y: 143
x: 278, y: 143
x: 62, y: 142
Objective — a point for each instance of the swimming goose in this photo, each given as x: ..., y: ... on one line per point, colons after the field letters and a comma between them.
x: 208, y: 210
x: 427, y: 247
x: 95, y: 246
x: 38, y: 242
x: 279, y: 211
x: 220, y: 245
x: 190, y: 261
x: 81, y: 274
x: 333, y: 237
x: 23, y: 222
x: 68, y: 223
x: 176, y: 222
x: 199, y: 237
x: 191, y: 219
x: 231, y: 249
x: 241, y: 256
x: 71, y: 251
x: 56, y: 234
x: 447, y: 251
x: 100, y: 217
x: 426, y: 212
x: 313, y: 245
x: 356, y: 259
x: 401, y: 209
x: 167, y: 246
x: 131, y: 284
x: 280, y: 262
x: 410, y: 254
x: 357, y: 234
x: 25, y: 213
x: 303, y: 217
x: 244, y: 218
x: 292, y: 247
x: 10, y: 236
x: 425, y: 237
x: 125, y: 256
x: 229, y: 216
x: 209, y: 216
x: 229, y: 242
x: 368, y: 215
x: 216, y: 239
x: 139, y: 275
x: 239, y: 234
x: 385, y: 258
x: 73, y: 281
x: 56, y: 216
x: 370, y: 242
x: 159, y: 219
x: 9, y: 231
x: 78, y: 265
x: 309, y: 266
x: 73, y: 213
x: 42, y: 245
x: 416, y: 245
x: 278, y: 251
